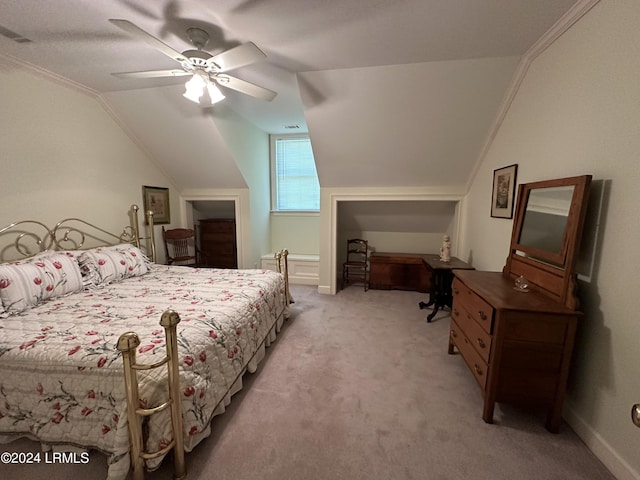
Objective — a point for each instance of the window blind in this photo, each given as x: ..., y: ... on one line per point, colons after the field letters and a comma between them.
x: 296, y: 178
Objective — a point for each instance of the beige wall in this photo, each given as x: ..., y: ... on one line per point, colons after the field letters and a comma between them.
x: 63, y: 155
x: 578, y: 112
x: 250, y: 149
x: 400, y: 242
x: 297, y: 232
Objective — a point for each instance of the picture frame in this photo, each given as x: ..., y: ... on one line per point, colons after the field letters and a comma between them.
x: 504, y: 189
x: 156, y: 199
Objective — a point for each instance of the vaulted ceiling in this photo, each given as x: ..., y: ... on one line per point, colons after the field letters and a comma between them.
x: 392, y: 92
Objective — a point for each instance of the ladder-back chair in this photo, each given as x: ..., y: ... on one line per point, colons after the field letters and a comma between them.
x: 356, y: 268
x: 180, y: 246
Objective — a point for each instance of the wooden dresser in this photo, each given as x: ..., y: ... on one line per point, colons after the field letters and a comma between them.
x: 516, y: 329
x: 517, y: 344
x: 217, y: 241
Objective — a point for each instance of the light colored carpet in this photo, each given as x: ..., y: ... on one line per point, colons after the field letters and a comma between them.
x: 359, y: 386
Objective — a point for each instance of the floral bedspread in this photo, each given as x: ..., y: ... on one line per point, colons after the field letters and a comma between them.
x: 61, y: 376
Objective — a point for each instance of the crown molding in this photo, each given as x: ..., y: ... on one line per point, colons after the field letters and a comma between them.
x: 564, y: 23
x: 573, y: 15
x: 54, y: 77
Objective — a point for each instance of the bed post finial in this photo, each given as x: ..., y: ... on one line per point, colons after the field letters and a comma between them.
x: 128, y: 341
x: 169, y: 318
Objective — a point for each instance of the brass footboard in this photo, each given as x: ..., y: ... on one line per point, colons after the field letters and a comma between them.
x: 127, y: 344
x: 282, y: 266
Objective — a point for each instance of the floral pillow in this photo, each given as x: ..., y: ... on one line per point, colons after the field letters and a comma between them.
x: 28, y: 283
x: 105, y: 265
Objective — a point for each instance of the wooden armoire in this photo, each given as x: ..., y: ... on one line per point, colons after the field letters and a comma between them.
x: 217, y: 240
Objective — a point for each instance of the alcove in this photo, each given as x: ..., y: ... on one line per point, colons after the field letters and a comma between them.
x: 400, y: 226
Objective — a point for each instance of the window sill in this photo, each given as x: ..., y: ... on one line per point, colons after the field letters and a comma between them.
x: 295, y: 213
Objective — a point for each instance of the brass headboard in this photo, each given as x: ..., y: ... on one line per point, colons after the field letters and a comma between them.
x: 26, y: 238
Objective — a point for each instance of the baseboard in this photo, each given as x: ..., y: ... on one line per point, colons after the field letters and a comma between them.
x: 303, y: 269
x: 600, y: 448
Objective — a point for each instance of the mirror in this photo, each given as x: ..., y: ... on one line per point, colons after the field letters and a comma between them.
x: 545, y: 218
x: 546, y: 234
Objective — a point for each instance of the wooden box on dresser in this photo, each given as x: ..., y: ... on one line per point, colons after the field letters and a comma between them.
x: 217, y: 238
x: 518, y: 345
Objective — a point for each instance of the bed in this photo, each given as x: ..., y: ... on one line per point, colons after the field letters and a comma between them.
x: 68, y: 312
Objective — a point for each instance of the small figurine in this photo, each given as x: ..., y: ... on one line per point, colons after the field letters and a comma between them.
x: 445, y: 251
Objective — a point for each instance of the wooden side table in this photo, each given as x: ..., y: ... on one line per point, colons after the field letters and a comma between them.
x: 440, y: 294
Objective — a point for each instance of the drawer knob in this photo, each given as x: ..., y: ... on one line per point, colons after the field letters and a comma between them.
x: 454, y: 334
x: 481, y: 343
x: 483, y: 316
x: 635, y: 414
x: 456, y: 312
x: 477, y: 368
x: 456, y: 291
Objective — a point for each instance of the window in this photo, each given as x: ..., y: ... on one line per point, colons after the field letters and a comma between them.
x: 294, y: 180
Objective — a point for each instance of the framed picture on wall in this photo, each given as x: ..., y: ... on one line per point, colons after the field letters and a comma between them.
x: 504, y: 189
x: 156, y: 199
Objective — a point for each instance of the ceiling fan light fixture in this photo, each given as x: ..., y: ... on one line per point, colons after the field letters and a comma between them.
x: 206, y: 69
x: 215, y: 95
x: 195, y: 87
x: 192, y: 95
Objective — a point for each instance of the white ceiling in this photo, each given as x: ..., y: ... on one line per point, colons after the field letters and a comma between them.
x: 428, y: 74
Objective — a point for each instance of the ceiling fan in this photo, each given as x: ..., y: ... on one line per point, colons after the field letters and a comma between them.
x: 205, y: 70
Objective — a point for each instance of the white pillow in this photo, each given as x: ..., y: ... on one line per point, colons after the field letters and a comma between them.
x: 104, y: 265
x: 28, y: 283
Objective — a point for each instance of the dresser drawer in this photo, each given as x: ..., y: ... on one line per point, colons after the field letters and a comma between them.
x: 218, y: 226
x: 479, y: 310
x: 218, y: 237
x: 479, y: 338
x: 472, y: 358
x: 214, y: 244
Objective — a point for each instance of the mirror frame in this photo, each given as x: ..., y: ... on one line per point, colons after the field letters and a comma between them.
x: 552, y: 273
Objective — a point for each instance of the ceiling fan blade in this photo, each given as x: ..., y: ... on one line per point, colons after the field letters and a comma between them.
x: 237, y: 57
x: 152, y: 74
x: 159, y: 45
x: 245, y: 87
